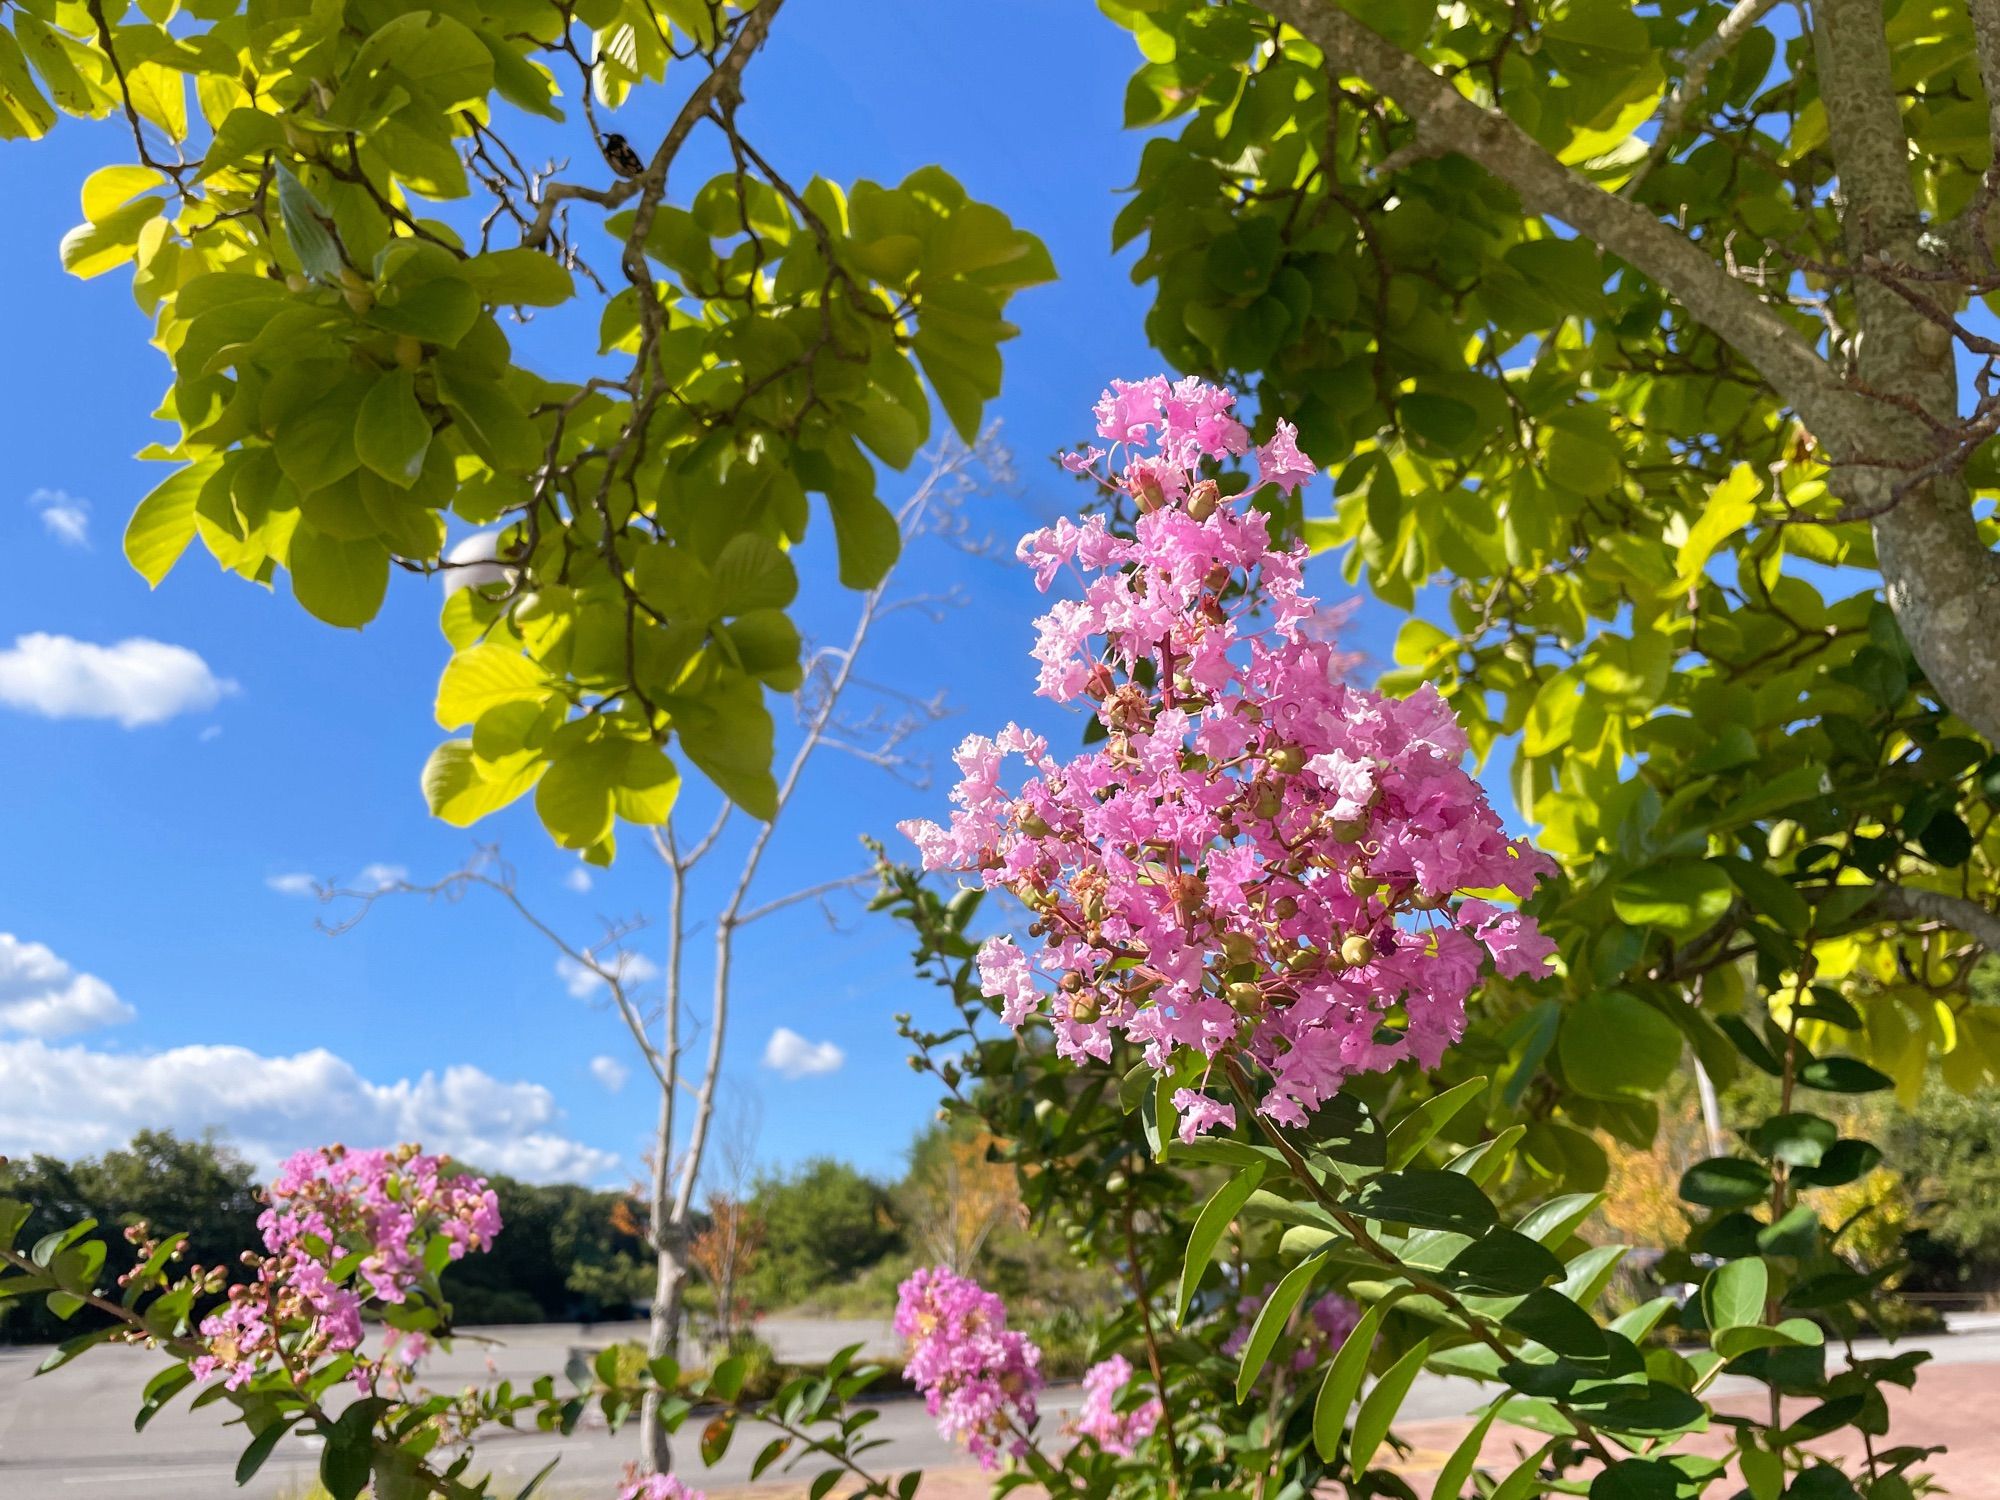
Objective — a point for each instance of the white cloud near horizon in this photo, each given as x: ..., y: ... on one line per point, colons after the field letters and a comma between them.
x: 73, y: 1101
x: 136, y: 682
x: 42, y: 996
x: 795, y: 1057
x: 582, y: 984
x: 294, y: 883
x: 578, y: 880
x: 610, y: 1072
x: 65, y: 517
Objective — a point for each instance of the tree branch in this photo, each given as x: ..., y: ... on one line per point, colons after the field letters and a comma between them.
x: 653, y: 181
x: 1694, y: 78
x: 1914, y: 903
x: 1451, y: 122
x: 1937, y: 574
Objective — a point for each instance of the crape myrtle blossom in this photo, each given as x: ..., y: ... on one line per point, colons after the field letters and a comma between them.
x: 658, y: 1487
x: 1260, y: 859
x: 978, y: 1377
x: 1325, y: 1328
x: 343, y: 1228
x: 1115, y: 1431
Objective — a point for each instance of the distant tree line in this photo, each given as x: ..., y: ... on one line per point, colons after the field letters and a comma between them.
x: 823, y: 1234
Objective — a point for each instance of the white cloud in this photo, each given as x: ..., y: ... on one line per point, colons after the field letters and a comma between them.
x: 70, y: 1101
x: 135, y: 682
x: 578, y: 880
x: 380, y: 877
x: 294, y: 883
x: 41, y: 996
x: 610, y: 1072
x: 795, y: 1057
x: 631, y: 969
x: 469, y: 564
x: 65, y: 517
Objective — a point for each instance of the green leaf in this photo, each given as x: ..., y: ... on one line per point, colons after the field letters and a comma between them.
x: 752, y: 572
x: 866, y: 536
x: 1378, y: 1408
x: 259, y: 1448
x: 1207, y: 1233
x: 92, y: 249
x: 1798, y: 1140
x: 1343, y: 1380
x: 1457, y: 1469
x: 163, y: 524
x: 391, y: 432
x: 1270, y: 1324
x: 1725, y: 1182
x: 440, y: 310
x: 1426, y: 1200
x: 483, y: 676
x: 1730, y: 506
x: 494, y: 424
x: 1843, y: 1075
x: 306, y: 227
x: 1684, y: 897
x: 1414, y: 1131
x: 458, y: 791
x: 573, y: 799
x: 1502, y: 1263
x: 1733, y: 1294
x: 1615, y: 1046
x: 1558, y: 1325
x: 340, y: 582
x: 519, y: 278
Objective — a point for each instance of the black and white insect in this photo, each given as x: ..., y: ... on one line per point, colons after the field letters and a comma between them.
x: 623, y: 159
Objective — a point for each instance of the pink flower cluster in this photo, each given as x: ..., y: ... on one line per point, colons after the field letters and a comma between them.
x: 327, y: 1204
x: 1260, y: 859
x: 979, y: 1377
x: 1328, y: 1323
x: 658, y: 1487
x: 1115, y: 1431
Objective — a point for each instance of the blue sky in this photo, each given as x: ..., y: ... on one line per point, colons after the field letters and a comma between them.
x: 137, y: 859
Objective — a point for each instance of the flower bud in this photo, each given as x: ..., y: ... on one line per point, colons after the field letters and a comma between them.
x: 1356, y: 949
x: 1238, y: 947
x: 1100, y: 682
x: 1034, y: 825
x: 1285, y: 908
x: 1216, y: 579
x: 1244, y: 998
x: 1149, y: 493
x: 1266, y: 800
x: 1203, y: 499
x: 1084, y: 1009
x: 1286, y: 760
x: 1302, y: 960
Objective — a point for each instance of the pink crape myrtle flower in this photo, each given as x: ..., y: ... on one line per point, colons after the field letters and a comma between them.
x: 1115, y: 1431
x: 325, y: 1205
x: 658, y: 1487
x: 1325, y: 1328
x: 978, y: 1377
x: 1261, y: 863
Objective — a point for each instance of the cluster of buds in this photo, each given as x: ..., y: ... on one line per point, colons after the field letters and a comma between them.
x: 1260, y: 859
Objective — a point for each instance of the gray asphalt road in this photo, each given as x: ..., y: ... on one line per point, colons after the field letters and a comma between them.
x: 68, y: 1436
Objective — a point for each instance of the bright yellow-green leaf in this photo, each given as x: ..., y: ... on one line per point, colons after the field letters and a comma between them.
x: 482, y: 676
x: 456, y: 791
x: 164, y: 524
